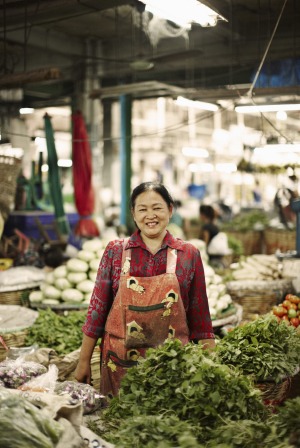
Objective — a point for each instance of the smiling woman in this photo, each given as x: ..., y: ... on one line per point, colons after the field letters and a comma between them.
x: 149, y: 288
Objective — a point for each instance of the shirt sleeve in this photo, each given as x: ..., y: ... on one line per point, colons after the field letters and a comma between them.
x: 198, y: 314
x: 102, y: 295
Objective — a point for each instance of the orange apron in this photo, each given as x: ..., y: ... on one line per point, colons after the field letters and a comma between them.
x: 145, y: 312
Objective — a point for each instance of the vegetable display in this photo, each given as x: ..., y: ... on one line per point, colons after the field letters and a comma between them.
x: 182, y: 381
x: 263, y: 348
x: 73, y: 282
x: 257, y: 267
x: 289, y: 310
x: 62, y: 333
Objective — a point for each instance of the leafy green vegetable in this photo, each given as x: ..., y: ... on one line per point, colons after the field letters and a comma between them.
x: 155, y: 431
x: 183, y: 381
x: 22, y: 425
x: 62, y: 333
x: 246, y: 221
x: 264, y: 348
x: 288, y: 421
x: 246, y: 434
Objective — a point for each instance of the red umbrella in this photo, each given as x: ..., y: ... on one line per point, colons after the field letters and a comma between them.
x: 82, y: 178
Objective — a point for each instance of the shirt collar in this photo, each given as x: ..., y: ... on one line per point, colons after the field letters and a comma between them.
x: 169, y: 241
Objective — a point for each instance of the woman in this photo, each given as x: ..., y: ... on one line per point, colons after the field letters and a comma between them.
x: 208, y: 229
x: 149, y: 287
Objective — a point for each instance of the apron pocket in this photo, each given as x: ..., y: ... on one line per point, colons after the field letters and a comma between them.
x: 147, y: 326
x: 113, y: 372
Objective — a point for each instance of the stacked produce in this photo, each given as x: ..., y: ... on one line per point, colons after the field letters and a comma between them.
x: 219, y: 300
x: 263, y: 348
x: 288, y: 310
x: 257, y: 267
x: 74, y: 281
x: 58, y: 332
x: 180, y: 396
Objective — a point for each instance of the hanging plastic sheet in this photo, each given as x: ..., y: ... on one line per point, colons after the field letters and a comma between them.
x: 54, y: 179
x: 82, y: 178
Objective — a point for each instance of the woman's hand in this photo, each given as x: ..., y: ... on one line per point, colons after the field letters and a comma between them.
x: 83, y: 372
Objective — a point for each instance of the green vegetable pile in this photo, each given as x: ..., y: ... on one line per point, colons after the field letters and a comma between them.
x: 22, y: 425
x: 181, y: 383
x: 263, y: 348
x: 62, y: 333
x: 246, y: 221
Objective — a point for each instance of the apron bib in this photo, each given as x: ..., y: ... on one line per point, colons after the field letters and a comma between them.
x: 145, y: 312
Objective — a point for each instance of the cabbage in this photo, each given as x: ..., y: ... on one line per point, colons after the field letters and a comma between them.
x: 92, y: 245
x: 36, y: 296
x: 86, y: 286
x: 76, y: 277
x: 94, y: 265
x: 76, y: 265
x: 52, y: 293
x: 86, y: 255
x: 72, y: 295
x: 93, y: 276
x: 60, y: 271
x: 62, y: 283
x: 49, y: 278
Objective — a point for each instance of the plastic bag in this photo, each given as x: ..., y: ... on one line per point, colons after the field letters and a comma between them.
x: 219, y: 245
x: 23, y: 425
x: 90, y: 398
x: 15, y: 372
x: 43, y: 383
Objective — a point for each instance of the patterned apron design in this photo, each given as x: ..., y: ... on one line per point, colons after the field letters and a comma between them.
x: 146, y: 311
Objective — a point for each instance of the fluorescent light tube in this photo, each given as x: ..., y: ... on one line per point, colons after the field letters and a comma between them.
x: 183, y: 12
x: 267, y: 108
x: 190, y: 151
x: 185, y: 102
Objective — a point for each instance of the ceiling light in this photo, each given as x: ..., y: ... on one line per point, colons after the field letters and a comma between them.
x: 185, y: 102
x: 65, y: 163
x: 201, y: 167
x: 274, y: 148
x: 194, y: 152
x: 26, y: 110
x: 183, y: 13
x: 267, y: 108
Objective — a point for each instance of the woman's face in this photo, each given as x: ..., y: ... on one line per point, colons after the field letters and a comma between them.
x: 151, y: 214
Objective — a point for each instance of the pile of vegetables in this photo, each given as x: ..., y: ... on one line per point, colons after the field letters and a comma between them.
x: 23, y: 425
x: 182, y: 397
x: 86, y: 394
x: 220, y: 302
x: 179, y: 383
x: 74, y: 281
x: 255, y: 219
x: 288, y: 310
x: 257, y: 267
x: 62, y: 333
x: 263, y: 348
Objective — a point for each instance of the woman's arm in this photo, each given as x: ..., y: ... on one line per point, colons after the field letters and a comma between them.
x: 83, y: 369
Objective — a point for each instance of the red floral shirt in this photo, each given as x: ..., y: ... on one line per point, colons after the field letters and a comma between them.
x: 189, y: 271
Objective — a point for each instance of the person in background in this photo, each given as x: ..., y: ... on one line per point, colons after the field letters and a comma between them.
x: 149, y: 287
x: 209, y: 228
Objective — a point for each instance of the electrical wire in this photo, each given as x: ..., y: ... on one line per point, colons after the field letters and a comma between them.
x: 250, y: 93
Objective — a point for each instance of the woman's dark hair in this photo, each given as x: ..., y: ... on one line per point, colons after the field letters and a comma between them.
x: 151, y: 186
x: 208, y: 211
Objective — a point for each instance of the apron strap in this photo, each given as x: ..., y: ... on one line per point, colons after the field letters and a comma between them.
x: 126, y: 257
x: 171, y: 261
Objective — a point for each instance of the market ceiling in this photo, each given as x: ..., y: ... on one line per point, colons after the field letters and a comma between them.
x: 107, y: 40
